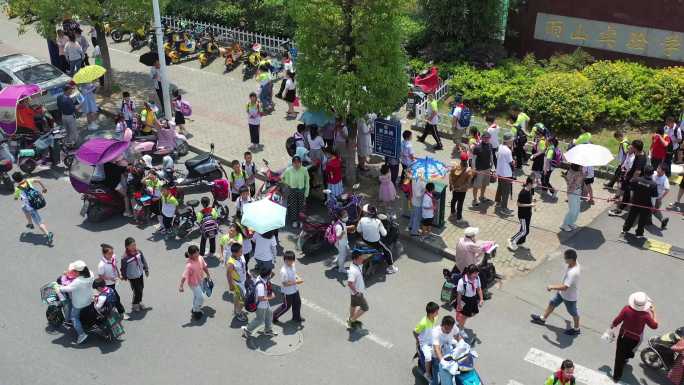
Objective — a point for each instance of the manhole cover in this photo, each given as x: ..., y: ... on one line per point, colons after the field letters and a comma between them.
x: 285, y: 342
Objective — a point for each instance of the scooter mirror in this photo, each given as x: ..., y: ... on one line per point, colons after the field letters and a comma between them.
x: 211, y: 146
x: 356, y: 186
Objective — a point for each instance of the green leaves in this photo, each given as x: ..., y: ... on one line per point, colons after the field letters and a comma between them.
x: 354, y: 67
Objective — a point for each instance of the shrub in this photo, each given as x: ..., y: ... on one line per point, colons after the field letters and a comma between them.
x: 562, y: 100
x: 664, y: 94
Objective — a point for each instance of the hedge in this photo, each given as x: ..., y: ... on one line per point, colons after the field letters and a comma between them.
x: 576, y: 93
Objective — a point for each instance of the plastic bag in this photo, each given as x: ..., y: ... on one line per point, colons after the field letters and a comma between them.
x: 609, y: 335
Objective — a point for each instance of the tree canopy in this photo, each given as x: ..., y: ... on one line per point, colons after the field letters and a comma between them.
x: 350, y: 55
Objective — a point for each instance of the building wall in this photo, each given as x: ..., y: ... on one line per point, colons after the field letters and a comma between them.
x: 660, y: 14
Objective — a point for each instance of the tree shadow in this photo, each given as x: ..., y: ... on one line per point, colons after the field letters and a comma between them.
x: 585, y: 238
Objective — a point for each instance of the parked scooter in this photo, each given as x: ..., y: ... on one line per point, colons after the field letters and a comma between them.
x: 209, y: 50
x: 253, y: 61
x: 271, y: 188
x: 658, y: 355
x: 167, y: 141
x: 48, y: 148
x: 186, y: 221
x: 202, y: 168
x: 6, y: 161
x: 186, y: 48
x: 139, y: 38
x: 374, y: 259
x: 233, y: 56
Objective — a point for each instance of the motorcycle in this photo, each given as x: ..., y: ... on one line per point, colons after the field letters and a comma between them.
x: 459, y: 368
x: 374, y: 259
x: 203, y: 167
x: 209, y: 50
x: 232, y: 55
x: 186, y: 48
x: 120, y: 34
x: 253, y: 61
x: 271, y: 188
x: 185, y: 222
x: 658, y: 355
x: 166, y: 142
x: 138, y: 39
x: 6, y: 161
x: 47, y: 148
x: 488, y: 276
x: 107, y: 326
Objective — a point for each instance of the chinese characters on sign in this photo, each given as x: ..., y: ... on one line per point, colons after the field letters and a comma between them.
x: 387, y: 138
x: 650, y: 42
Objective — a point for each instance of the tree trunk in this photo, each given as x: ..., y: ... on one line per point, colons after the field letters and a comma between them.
x: 106, y: 61
x: 349, y: 54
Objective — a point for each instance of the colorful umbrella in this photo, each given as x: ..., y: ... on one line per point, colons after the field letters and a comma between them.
x: 9, y: 98
x: 101, y: 150
x: 428, y: 169
x: 89, y: 74
x: 263, y: 216
x: 589, y: 155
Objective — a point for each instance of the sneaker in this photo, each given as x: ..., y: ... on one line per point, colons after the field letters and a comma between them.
x: 573, y: 227
x: 537, y: 319
x: 127, y: 214
x: 270, y: 333
x: 242, y: 317
x: 81, y: 339
x: 511, y: 246
x: 392, y: 269
x: 299, y: 320
x: 245, y: 333
x: 277, y: 322
x: 663, y: 224
x: 141, y: 306
x: 475, y: 203
x: 125, y: 316
x: 30, y: 226
x: 437, y: 148
x: 50, y: 237
x: 572, y: 332
x: 615, y: 213
x: 294, y: 224
x: 330, y: 261
x: 565, y: 228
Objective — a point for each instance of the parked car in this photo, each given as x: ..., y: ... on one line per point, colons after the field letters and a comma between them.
x: 25, y: 69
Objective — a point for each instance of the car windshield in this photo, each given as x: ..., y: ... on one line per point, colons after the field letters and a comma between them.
x: 38, y: 74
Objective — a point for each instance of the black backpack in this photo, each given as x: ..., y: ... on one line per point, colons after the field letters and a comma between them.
x: 34, y: 198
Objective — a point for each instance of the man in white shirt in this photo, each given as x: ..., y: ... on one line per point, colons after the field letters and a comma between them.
x: 431, y: 122
x: 663, y: 183
x: 493, y: 131
x: 264, y: 314
x: 155, y: 74
x: 504, y: 171
x: 567, y: 292
x: 372, y: 230
x: 358, y: 304
x: 456, y: 128
x: 444, y: 337
x: 289, y: 281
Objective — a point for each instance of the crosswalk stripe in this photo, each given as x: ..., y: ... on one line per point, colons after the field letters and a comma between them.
x: 514, y: 382
x: 582, y: 374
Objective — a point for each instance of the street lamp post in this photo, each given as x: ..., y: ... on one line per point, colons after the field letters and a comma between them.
x: 158, y: 31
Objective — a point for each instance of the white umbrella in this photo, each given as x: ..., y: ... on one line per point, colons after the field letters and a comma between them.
x: 263, y: 216
x: 589, y: 155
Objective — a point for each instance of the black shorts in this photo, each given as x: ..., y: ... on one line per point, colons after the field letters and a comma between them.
x: 470, y: 306
x: 427, y: 221
x: 179, y: 118
x: 588, y: 181
x: 359, y: 300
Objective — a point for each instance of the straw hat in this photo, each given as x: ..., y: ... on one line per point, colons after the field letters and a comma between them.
x: 471, y: 232
x: 639, y: 301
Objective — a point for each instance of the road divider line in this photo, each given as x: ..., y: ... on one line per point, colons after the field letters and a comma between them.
x: 582, y: 374
x: 514, y: 382
x: 340, y: 321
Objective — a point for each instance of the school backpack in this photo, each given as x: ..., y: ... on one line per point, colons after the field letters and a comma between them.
x: 520, y: 137
x: 34, y: 198
x: 220, y: 189
x: 464, y: 119
x: 331, y: 233
x: 185, y: 108
x: 557, y: 157
x: 291, y: 146
x: 209, y: 227
x: 250, y: 294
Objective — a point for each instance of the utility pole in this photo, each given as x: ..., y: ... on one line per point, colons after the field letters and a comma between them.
x: 159, y: 32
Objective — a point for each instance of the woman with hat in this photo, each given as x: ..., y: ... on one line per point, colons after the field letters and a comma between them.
x: 468, y: 250
x: 80, y: 290
x: 639, y: 312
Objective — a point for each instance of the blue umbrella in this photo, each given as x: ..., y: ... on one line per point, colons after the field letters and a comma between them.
x: 427, y: 168
x: 318, y: 118
x: 263, y: 216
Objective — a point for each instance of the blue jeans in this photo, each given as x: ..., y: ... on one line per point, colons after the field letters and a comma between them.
x: 74, y: 66
x: 445, y: 378
x: 416, y: 216
x: 574, y: 200
x: 570, y: 306
x: 76, y: 320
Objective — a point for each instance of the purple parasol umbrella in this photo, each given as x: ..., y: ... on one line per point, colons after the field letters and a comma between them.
x: 101, y: 150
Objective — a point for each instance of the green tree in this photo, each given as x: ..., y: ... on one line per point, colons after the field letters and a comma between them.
x: 351, y: 58
x: 47, y: 15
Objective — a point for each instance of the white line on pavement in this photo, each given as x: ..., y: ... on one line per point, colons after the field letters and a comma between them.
x: 582, y: 374
x: 334, y: 317
x: 514, y: 382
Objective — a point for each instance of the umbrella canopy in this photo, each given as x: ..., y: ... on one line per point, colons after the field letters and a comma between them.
x: 89, y: 74
x: 428, y: 169
x: 263, y: 216
x: 318, y: 118
x: 589, y: 155
x: 9, y: 98
x: 101, y: 150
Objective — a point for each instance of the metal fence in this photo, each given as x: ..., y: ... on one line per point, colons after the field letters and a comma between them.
x: 272, y: 44
x: 422, y: 107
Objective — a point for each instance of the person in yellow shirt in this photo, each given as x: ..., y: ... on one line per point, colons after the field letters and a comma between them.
x: 148, y: 116
x: 423, y: 335
x: 584, y: 138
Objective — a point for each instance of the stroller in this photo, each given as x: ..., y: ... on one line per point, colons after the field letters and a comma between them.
x: 658, y: 355
x: 488, y: 276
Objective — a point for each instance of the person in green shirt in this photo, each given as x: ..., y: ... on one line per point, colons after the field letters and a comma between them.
x: 33, y: 219
x: 584, y: 138
x: 564, y: 376
x: 296, y: 178
x: 623, y: 149
x: 520, y: 134
x: 538, y: 152
x: 423, y: 335
x: 551, y: 145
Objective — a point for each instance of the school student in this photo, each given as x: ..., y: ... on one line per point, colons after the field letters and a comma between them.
x: 525, y: 205
x: 289, y: 281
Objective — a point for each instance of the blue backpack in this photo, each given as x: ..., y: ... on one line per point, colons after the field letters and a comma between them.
x: 34, y: 198
x: 464, y: 119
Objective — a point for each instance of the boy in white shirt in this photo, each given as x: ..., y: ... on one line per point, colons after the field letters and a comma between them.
x: 663, y: 183
x: 242, y: 200
x: 289, y: 281
x: 427, y: 210
x: 250, y: 172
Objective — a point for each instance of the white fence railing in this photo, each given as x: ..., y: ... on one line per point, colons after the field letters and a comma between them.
x: 272, y: 44
x: 422, y: 107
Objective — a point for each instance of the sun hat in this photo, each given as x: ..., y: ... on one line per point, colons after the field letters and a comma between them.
x: 77, y: 265
x: 639, y: 301
x: 471, y: 232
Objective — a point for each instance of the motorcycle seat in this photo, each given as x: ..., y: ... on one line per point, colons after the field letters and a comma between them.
x: 146, y: 138
x: 199, y: 159
x: 185, y: 211
x: 193, y: 203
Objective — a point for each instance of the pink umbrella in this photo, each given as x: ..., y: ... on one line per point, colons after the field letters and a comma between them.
x: 101, y: 150
x: 9, y: 98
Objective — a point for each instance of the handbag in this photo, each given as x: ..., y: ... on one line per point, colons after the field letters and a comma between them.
x: 295, y: 103
x: 609, y: 335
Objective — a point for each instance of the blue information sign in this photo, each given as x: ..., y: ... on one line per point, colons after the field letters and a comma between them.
x: 387, y: 138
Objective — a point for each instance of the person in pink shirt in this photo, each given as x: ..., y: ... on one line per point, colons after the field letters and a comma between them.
x: 468, y: 250
x: 195, y: 271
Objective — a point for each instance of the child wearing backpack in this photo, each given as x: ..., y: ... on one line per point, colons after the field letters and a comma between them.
x: 337, y: 234
x: 249, y: 168
x: 31, y: 202
x: 206, y: 218
x: 169, y: 204
x: 469, y: 297
x: 179, y: 107
x: 237, y: 179
x: 258, y: 298
x: 552, y: 159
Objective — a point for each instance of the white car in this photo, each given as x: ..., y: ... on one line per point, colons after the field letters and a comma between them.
x: 24, y: 69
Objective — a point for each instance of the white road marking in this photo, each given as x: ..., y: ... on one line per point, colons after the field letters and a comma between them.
x: 340, y: 321
x: 582, y: 374
x: 514, y: 382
